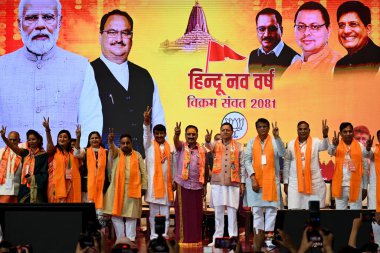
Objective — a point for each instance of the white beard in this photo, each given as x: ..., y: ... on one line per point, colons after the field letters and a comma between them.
x: 39, y: 47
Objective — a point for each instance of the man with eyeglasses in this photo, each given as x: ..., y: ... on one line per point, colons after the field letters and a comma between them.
x: 273, y: 52
x: 41, y: 78
x: 125, y: 89
x: 363, y: 56
x: 312, y: 31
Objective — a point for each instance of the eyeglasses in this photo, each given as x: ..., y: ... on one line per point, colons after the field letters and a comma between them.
x: 352, y: 25
x: 312, y: 28
x: 271, y: 29
x: 114, y: 33
x: 32, y: 19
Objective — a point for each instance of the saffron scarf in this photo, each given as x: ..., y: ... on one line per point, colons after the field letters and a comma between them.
x: 234, y: 158
x: 60, y: 163
x: 134, y: 184
x: 265, y: 173
x: 4, y: 162
x: 158, y: 178
x: 186, y: 163
x: 376, y: 158
x: 356, y: 176
x: 96, y: 175
x: 304, y: 174
x: 28, y: 166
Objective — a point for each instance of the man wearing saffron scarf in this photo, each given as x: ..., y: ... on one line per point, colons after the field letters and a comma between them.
x: 10, y: 169
x: 225, y: 180
x: 350, y: 177
x: 302, y: 175
x: 261, y: 162
x: 157, y: 154
x: 190, y: 185
x: 128, y: 184
x: 374, y: 182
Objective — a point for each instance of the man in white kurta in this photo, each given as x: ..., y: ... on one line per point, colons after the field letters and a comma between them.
x: 374, y: 155
x: 225, y: 179
x: 352, y: 165
x: 159, y: 203
x: 299, y: 197
x: 130, y: 206
x: 10, y: 171
x: 253, y: 189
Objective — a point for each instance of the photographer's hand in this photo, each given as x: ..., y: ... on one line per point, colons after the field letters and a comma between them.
x: 286, y: 241
x: 305, y: 243
x: 327, y: 241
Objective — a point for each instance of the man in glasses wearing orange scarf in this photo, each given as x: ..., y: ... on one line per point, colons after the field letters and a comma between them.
x: 157, y: 157
x: 190, y: 184
x: 261, y: 161
x: 128, y: 185
x: 302, y: 174
x: 350, y: 177
x: 227, y: 171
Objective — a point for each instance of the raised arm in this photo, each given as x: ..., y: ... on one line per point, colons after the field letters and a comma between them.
x: 77, y: 151
x: 50, y: 144
x: 111, y: 144
x: 177, y: 133
x: 335, y: 142
x: 324, y: 144
x: 15, y: 148
x: 147, y: 136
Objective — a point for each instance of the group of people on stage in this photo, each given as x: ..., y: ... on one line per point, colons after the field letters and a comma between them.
x: 116, y: 179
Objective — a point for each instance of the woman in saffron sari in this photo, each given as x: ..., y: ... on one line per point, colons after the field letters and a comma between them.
x: 64, y: 184
x: 94, y: 176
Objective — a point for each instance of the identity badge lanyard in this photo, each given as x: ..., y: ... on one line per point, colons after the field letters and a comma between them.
x: 348, y: 160
x: 9, y: 175
x: 68, y: 167
x: 263, y: 155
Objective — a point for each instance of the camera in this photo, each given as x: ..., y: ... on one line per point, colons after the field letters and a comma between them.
x: 314, y: 223
x: 368, y: 216
x: 86, y: 239
x: 159, y: 244
x: 226, y: 243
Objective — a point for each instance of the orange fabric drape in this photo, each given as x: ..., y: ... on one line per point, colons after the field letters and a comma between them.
x: 134, y: 184
x: 158, y: 178
x: 60, y: 164
x: 4, y: 162
x: 186, y: 163
x: 29, y: 162
x: 234, y: 158
x: 304, y: 174
x: 96, y: 175
x: 265, y: 173
x: 356, y: 176
x: 376, y: 158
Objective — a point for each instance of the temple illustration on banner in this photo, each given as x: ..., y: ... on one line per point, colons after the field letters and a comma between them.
x: 196, y: 36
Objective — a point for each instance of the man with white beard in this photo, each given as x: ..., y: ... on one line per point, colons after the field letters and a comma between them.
x: 41, y: 79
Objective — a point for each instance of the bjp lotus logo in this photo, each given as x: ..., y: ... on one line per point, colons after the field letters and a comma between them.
x: 238, y: 122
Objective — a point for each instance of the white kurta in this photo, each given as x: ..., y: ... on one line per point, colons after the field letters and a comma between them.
x: 149, y: 161
x: 297, y: 200
x: 253, y: 198
x: 372, y: 182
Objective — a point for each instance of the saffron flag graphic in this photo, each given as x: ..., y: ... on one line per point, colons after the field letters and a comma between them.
x: 217, y: 52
